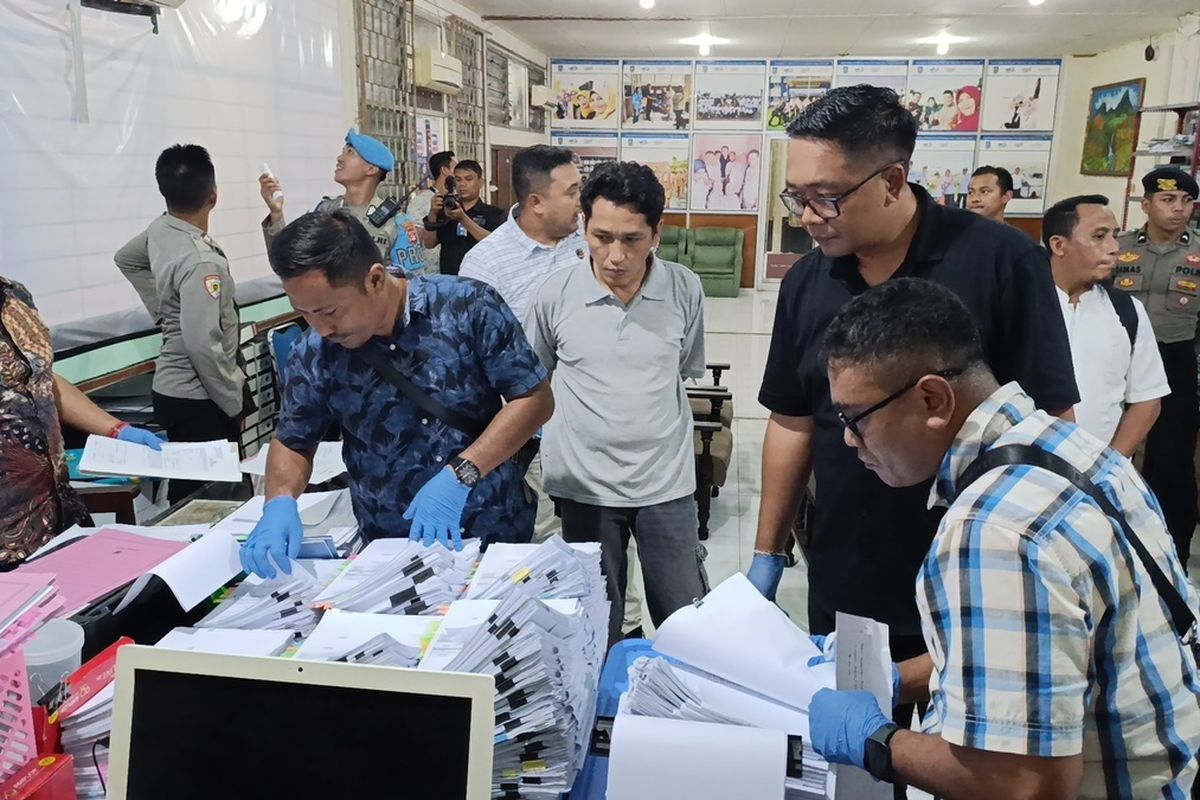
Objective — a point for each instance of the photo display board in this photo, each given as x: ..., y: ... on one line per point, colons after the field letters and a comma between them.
x: 591, y: 148
x: 1028, y: 159
x: 942, y: 165
x: 730, y: 94
x: 726, y: 171
x: 791, y: 88
x: 657, y: 94
x: 667, y: 155
x: 588, y: 94
x: 1020, y: 95
x: 945, y: 96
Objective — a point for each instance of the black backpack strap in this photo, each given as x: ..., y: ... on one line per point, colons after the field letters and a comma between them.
x: 423, y: 401
x: 1123, y: 305
x: 1182, y: 618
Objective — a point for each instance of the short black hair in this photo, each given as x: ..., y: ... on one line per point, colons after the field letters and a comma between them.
x: 1003, y: 176
x: 867, y: 122
x: 439, y: 160
x: 335, y: 243
x: 1062, y: 217
x: 628, y: 184
x: 532, y: 166
x: 908, y: 324
x: 469, y: 164
x: 185, y: 177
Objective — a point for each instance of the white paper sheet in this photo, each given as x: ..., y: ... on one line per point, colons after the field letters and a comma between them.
x: 327, y: 462
x: 314, y: 507
x: 661, y: 759
x: 229, y: 642
x: 737, y: 634
x: 193, y: 461
x: 340, y: 631
x: 195, y: 572
x: 864, y: 662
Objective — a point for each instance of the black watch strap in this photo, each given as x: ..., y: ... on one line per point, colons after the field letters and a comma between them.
x: 878, y: 752
x: 467, y: 473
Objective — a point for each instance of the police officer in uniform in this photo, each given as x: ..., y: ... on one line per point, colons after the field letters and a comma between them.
x: 362, y: 166
x: 200, y: 391
x: 1160, y: 265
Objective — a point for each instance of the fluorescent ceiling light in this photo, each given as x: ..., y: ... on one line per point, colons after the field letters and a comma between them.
x: 647, y: 4
x: 943, y: 41
x: 1036, y: 2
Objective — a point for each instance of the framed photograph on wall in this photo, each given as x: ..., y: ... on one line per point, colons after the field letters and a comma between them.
x: 726, y: 171
x: 588, y: 94
x: 591, y: 148
x: 1020, y: 96
x: 667, y: 155
x: 1027, y: 158
x: 1112, y: 128
x: 730, y: 94
x: 658, y: 94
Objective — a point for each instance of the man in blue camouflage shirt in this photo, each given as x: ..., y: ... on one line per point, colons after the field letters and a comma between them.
x: 411, y: 474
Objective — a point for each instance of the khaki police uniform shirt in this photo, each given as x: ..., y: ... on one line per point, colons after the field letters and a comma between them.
x: 385, y: 237
x: 195, y: 302
x: 1165, y: 278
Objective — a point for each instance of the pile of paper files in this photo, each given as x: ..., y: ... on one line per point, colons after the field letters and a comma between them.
x: 738, y: 661
x: 382, y: 639
x: 398, y: 576
x: 284, y: 602
x: 543, y: 640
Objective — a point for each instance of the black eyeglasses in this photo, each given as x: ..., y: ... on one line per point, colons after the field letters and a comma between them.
x: 827, y: 207
x: 851, y: 423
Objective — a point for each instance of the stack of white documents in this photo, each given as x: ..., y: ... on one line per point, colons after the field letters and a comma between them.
x: 542, y: 637
x: 382, y: 639
x: 744, y: 663
x: 660, y: 689
x: 398, y: 576
x: 284, y: 602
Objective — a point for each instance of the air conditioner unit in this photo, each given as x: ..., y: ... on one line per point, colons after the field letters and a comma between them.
x: 541, y: 97
x: 438, y: 72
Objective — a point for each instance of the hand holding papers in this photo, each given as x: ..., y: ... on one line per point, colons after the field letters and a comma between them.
x: 275, y: 538
x: 193, y: 461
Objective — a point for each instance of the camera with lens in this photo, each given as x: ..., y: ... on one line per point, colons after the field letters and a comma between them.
x: 451, y: 200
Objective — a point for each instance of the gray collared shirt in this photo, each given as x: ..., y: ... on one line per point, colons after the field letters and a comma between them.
x: 621, y: 434
x: 182, y: 277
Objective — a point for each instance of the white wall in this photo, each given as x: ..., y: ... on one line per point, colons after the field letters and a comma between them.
x: 1166, y: 82
x: 252, y: 82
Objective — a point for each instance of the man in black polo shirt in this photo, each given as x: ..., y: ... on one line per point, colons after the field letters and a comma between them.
x: 458, y: 221
x: 847, y: 161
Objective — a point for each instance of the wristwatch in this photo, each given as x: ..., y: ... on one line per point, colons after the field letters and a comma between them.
x: 467, y: 473
x: 878, y: 753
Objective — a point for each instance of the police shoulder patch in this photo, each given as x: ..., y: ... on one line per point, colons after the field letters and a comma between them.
x: 212, y: 285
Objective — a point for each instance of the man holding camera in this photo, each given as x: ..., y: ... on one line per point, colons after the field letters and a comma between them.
x: 458, y: 219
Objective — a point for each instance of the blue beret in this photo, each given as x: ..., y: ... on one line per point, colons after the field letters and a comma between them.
x: 371, y: 150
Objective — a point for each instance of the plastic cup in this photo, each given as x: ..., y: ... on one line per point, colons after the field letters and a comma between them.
x: 53, y: 653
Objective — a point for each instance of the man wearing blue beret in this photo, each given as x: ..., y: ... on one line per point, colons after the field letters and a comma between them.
x: 362, y: 166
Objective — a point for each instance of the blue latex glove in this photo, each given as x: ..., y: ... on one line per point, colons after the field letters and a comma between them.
x: 140, y: 436
x: 278, y: 535
x: 840, y: 722
x: 828, y: 645
x: 765, y: 573
x: 436, y: 511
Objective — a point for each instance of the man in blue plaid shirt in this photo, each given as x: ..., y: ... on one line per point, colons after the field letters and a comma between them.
x: 1053, y: 667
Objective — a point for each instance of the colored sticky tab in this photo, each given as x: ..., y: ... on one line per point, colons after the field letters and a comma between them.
x: 520, y: 575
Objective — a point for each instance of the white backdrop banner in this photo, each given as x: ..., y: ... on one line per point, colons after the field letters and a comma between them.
x: 251, y: 80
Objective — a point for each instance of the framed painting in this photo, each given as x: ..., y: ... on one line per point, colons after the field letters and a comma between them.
x: 1112, y: 128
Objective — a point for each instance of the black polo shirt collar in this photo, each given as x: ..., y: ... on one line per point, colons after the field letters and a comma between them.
x: 926, y: 247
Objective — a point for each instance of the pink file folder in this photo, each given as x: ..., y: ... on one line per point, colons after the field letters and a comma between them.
x: 90, y: 568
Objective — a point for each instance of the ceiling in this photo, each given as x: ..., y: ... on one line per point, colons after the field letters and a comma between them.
x: 800, y: 28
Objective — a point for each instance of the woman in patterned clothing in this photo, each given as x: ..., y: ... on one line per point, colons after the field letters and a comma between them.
x: 36, y: 500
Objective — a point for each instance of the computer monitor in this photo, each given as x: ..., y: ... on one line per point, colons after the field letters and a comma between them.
x: 193, y: 725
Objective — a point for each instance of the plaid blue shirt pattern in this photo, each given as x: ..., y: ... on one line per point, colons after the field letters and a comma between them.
x: 1029, y: 602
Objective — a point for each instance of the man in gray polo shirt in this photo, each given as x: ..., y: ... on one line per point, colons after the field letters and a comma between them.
x: 617, y: 455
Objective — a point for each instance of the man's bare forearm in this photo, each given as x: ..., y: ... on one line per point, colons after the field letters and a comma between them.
x: 786, y: 464
x: 288, y: 471
x: 914, y: 679
x: 1135, y: 425
x: 963, y: 773
x: 511, y: 428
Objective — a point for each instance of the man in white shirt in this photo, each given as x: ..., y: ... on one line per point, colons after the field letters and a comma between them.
x: 541, y: 236
x: 441, y: 168
x: 1117, y: 365
x: 542, y: 232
